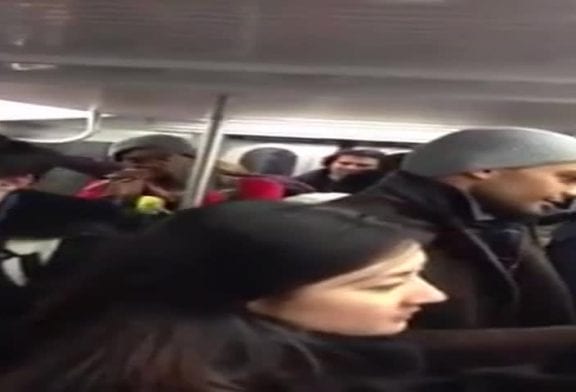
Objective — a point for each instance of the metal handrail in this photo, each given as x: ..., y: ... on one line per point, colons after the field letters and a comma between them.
x: 207, y: 156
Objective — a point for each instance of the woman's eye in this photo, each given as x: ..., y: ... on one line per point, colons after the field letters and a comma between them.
x: 386, y: 287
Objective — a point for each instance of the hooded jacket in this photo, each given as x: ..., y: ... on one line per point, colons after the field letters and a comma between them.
x: 43, y: 236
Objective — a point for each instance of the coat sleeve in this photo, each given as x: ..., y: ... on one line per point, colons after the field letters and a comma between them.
x: 457, y: 350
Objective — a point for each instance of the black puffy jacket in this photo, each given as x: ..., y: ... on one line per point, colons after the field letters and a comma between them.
x: 43, y: 237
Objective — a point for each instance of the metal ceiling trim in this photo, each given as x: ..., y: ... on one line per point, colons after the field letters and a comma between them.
x: 276, y: 68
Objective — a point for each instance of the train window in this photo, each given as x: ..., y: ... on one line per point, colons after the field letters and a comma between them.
x: 270, y: 160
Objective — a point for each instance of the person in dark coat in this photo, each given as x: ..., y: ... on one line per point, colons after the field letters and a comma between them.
x: 562, y: 252
x: 172, y: 309
x: 44, y: 236
x: 478, y: 192
x: 342, y: 164
x: 561, y: 247
x: 243, y: 296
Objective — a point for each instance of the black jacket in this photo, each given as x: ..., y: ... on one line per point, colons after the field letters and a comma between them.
x: 562, y: 252
x: 374, y: 364
x: 319, y: 180
x: 44, y: 236
x: 507, y: 304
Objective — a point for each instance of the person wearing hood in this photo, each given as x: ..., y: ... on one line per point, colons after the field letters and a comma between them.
x: 245, y: 296
x: 341, y: 164
x: 240, y: 296
x: 42, y: 235
x: 480, y: 192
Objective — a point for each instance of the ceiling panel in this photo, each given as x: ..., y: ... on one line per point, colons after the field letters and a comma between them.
x: 528, y: 36
x: 441, y: 61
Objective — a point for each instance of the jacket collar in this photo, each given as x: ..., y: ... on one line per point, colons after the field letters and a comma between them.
x: 445, y: 206
x: 437, y: 200
x: 378, y: 355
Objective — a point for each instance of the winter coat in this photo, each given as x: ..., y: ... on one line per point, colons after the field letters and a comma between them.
x: 507, y: 305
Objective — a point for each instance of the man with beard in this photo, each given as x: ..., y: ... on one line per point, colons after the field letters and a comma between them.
x: 152, y: 165
x: 478, y: 193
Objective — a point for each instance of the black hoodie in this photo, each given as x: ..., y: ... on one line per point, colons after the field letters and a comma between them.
x: 43, y: 236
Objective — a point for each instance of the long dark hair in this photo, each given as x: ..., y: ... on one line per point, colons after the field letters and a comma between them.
x: 164, y: 310
x: 357, y: 152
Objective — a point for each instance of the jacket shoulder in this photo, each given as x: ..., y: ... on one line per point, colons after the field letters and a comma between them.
x: 386, y: 208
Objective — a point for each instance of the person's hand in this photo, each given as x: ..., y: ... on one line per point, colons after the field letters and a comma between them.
x: 125, y: 189
x: 127, y: 184
x: 170, y: 195
x: 130, y: 174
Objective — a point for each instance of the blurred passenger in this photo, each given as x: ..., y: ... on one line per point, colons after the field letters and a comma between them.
x: 157, y: 165
x: 479, y: 192
x: 154, y: 165
x: 342, y: 164
x: 237, y: 297
x: 358, y: 182
x: 21, y: 165
x: 42, y: 235
x: 42, y: 159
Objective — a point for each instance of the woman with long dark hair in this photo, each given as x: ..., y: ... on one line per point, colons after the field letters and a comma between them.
x: 248, y: 296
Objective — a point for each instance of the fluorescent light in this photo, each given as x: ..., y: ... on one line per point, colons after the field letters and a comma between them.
x: 16, y: 111
x: 311, y: 128
x: 324, y: 129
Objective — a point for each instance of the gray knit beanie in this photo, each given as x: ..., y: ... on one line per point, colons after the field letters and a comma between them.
x: 168, y: 143
x: 490, y: 148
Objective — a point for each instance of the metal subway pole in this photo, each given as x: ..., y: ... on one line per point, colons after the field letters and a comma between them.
x: 207, y: 157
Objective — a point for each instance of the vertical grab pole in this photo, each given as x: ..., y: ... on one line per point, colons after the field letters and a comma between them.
x: 207, y: 157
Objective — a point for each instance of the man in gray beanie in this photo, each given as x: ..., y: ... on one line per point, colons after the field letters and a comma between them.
x: 477, y: 192
x: 156, y: 165
x: 158, y: 144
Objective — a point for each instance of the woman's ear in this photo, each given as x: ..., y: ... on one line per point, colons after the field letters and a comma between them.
x: 263, y: 307
x: 256, y: 306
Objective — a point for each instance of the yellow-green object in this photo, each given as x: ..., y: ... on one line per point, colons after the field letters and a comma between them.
x: 150, y: 205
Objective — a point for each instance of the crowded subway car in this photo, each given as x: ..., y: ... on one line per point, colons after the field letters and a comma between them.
x: 287, y: 196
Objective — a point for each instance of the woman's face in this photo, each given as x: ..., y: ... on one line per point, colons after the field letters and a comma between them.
x: 377, y: 300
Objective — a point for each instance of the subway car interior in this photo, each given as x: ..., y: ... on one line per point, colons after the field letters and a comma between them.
x: 301, y: 76
x: 275, y: 90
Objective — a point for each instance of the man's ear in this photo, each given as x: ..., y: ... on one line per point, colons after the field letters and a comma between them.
x: 481, y: 174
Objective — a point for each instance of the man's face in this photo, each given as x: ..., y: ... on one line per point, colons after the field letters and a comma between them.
x: 533, y: 191
x: 145, y: 158
x: 159, y: 164
x: 345, y: 165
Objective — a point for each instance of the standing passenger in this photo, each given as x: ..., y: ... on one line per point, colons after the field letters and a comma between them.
x: 341, y: 164
x: 478, y: 191
x: 154, y: 165
x: 42, y: 235
x: 237, y: 297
